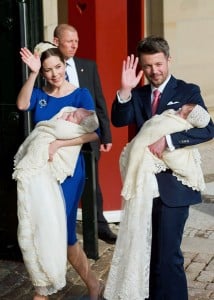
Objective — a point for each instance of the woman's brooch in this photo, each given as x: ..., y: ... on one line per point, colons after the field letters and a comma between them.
x: 42, y: 103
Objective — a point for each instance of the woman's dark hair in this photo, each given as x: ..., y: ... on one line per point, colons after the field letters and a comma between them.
x: 153, y: 44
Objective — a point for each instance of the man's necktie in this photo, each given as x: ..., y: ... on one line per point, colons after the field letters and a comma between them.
x: 155, y: 102
x: 66, y: 73
x: 66, y: 76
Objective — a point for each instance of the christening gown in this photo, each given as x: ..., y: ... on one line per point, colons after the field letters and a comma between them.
x: 128, y: 277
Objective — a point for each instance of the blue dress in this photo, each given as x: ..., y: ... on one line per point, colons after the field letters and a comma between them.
x: 45, y: 107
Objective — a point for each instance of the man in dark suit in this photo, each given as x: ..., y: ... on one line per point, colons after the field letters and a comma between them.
x: 83, y: 73
x: 134, y: 105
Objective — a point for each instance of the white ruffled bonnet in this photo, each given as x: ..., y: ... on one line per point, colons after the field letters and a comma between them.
x: 43, y: 46
x: 91, y: 122
x: 198, y: 117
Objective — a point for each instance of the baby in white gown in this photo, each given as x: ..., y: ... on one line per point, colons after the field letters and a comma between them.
x: 129, y: 273
x: 33, y: 154
x: 40, y: 199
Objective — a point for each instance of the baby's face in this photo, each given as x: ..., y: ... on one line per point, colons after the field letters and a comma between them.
x: 77, y: 116
x: 71, y: 117
x: 184, y: 111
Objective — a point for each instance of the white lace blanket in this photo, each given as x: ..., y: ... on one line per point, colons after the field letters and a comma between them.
x: 32, y: 155
x: 42, y: 229
x: 129, y: 273
x: 136, y: 157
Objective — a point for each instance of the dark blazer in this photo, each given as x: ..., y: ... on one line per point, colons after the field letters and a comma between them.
x: 138, y: 110
x: 88, y: 77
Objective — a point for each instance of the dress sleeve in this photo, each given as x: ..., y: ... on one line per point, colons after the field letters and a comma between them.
x: 33, y: 99
x: 85, y: 99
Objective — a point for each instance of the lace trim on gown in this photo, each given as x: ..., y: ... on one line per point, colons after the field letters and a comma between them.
x: 129, y: 273
x: 45, y: 259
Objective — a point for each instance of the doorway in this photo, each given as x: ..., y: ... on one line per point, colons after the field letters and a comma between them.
x: 20, y: 25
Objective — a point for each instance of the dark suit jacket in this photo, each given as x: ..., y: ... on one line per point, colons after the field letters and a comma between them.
x: 138, y: 110
x: 88, y: 77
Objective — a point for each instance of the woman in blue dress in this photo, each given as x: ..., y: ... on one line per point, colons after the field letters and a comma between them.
x: 45, y: 103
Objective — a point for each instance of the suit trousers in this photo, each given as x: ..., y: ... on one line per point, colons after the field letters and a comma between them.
x: 167, y: 275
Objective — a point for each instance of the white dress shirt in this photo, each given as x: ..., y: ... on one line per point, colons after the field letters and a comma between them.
x: 72, y: 72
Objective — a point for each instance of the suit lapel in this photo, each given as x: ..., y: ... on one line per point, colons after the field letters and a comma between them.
x: 148, y: 104
x: 145, y: 99
x: 167, y: 95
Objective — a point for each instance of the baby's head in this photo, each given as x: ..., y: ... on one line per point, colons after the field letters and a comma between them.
x: 76, y: 116
x: 81, y: 114
x: 195, y: 114
x: 86, y: 118
x: 89, y: 120
x: 185, y: 110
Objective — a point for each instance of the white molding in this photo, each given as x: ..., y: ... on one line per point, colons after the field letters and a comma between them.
x: 112, y: 216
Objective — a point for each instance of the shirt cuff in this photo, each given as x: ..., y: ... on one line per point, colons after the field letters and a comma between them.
x: 123, y: 100
x: 169, y: 143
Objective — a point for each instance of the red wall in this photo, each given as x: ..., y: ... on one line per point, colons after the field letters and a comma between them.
x: 103, y: 32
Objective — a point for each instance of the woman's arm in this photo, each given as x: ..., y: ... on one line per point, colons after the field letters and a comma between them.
x: 33, y: 62
x: 85, y: 138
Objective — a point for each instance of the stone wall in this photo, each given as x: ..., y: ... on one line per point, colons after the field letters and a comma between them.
x: 50, y: 13
x: 188, y: 26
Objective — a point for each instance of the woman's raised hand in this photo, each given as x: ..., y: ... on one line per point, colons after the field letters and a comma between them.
x: 31, y: 60
x: 129, y: 78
